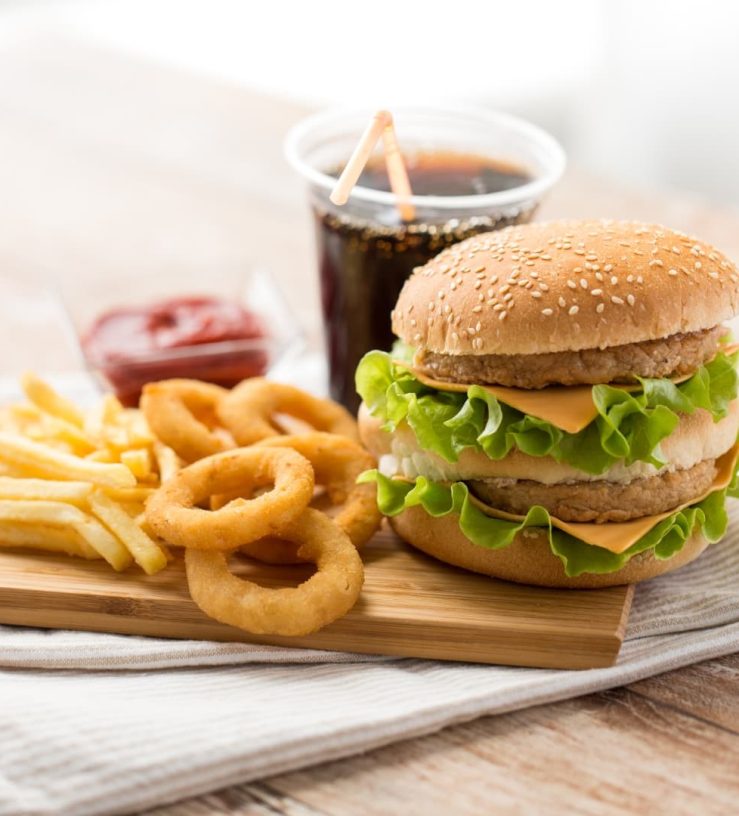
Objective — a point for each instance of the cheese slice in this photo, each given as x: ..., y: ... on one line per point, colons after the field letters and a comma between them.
x: 568, y: 407
x: 619, y: 536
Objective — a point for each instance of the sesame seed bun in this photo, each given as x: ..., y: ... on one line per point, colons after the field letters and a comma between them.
x: 565, y: 286
x: 528, y: 559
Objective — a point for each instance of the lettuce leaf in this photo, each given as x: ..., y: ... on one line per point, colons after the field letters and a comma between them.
x: 665, y: 539
x: 629, y: 426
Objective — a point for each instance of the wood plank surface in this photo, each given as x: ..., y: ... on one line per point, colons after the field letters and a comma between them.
x: 410, y: 606
x: 119, y: 166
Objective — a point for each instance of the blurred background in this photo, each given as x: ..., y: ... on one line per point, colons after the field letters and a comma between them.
x: 641, y: 90
x: 142, y: 139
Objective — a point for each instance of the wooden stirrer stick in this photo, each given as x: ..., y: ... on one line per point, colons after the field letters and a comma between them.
x: 399, y: 182
x: 380, y: 125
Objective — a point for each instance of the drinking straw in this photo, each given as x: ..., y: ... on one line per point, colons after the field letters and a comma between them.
x: 381, y: 124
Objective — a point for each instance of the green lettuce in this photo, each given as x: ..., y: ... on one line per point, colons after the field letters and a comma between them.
x: 628, y: 428
x: 665, y: 539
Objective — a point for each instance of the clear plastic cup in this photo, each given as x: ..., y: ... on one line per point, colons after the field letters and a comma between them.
x: 366, y: 252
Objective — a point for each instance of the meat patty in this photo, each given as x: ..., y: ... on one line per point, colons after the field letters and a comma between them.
x: 671, y: 356
x: 600, y: 501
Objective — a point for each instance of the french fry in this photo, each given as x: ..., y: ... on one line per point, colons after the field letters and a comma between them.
x: 43, y: 396
x: 59, y: 514
x: 55, y: 463
x: 168, y: 462
x: 137, y: 429
x: 138, y: 494
x: 102, y: 417
x: 44, y: 537
x: 138, y: 462
x: 76, y: 482
x: 101, y: 455
x: 146, y: 552
x: 104, y: 542
x: 44, y: 489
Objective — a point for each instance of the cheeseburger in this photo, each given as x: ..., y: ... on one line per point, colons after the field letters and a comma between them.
x: 561, y: 407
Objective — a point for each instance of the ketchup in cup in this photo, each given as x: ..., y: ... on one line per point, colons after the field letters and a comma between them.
x: 188, y: 337
x: 469, y: 171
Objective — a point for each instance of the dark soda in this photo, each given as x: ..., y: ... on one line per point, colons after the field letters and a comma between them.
x: 363, y: 264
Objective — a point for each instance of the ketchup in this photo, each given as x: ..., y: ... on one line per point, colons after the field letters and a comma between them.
x: 203, y: 338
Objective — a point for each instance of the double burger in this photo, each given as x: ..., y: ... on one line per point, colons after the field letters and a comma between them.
x: 561, y: 406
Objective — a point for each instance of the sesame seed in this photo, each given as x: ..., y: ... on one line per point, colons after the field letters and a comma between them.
x: 502, y: 315
x: 608, y: 267
x: 596, y: 292
x: 616, y: 299
x: 572, y: 284
x: 599, y: 308
x: 599, y: 277
x: 573, y: 310
x: 656, y: 262
x: 543, y: 287
x: 478, y: 284
x: 507, y: 297
x: 676, y: 250
x: 629, y: 278
x: 499, y: 307
x: 504, y: 288
x: 493, y: 279
x: 441, y: 295
x: 477, y: 309
x: 547, y: 312
x: 471, y: 329
x: 416, y: 337
x: 698, y: 265
x: 562, y: 302
x: 713, y: 275
x: 536, y: 294
x: 630, y: 299
x: 672, y: 273
x: 614, y: 280
x: 583, y: 283
x: 639, y: 279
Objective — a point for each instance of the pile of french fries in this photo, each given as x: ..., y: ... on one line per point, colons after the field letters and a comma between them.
x: 75, y: 482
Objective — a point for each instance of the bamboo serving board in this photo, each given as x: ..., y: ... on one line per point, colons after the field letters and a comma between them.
x: 411, y: 606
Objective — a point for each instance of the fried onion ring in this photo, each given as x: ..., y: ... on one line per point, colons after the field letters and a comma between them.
x: 249, y: 411
x: 337, y: 462
x: 174, y: 515
x: 177, y: 412
x: 325, y: 596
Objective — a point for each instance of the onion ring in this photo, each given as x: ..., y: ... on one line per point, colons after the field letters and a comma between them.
x: 337, y: 462
x: 325, y: 596
x: 173, y: 512
x: 175, y: 409
x: 248, y: 411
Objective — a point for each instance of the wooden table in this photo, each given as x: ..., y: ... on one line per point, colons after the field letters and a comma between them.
x: 113, y: 167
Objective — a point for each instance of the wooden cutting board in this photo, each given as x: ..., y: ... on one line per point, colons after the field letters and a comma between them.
x: 411, y: 606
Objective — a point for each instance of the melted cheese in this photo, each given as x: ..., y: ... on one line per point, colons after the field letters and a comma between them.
x: 568, y: 407
x: 619, y: 536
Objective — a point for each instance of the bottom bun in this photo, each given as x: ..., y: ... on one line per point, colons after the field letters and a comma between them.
x: 529, y: 559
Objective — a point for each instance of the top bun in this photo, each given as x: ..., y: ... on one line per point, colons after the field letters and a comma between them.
x: 565, y: 286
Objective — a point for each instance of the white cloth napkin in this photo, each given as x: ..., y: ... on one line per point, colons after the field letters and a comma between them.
x: 107, y: 724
